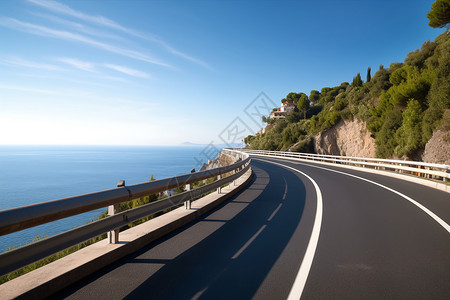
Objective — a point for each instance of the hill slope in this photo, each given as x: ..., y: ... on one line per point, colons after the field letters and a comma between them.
x: 401, y: 106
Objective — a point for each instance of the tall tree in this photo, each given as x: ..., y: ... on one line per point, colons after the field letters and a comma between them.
x: 303, y: 104
x: 369, y: 77
x: 357, y: 81
x: 314, y: 96
x: 439, y: 14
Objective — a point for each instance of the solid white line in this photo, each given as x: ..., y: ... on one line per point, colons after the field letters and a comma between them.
x: 248, y: 242
x: 302, y: 275
x: 423, y: 208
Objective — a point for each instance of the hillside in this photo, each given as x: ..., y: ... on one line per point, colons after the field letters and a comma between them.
x: 401, y: 107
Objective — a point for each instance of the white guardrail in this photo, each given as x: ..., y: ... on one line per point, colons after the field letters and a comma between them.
x: 438, y: 172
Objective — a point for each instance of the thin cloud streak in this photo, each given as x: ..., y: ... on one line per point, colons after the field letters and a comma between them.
x: 64, y: 9
x: 17, y: 61
x: 65, y: 35
x: 128, y: 71
x: 80, y: 27
x: 82, y: 65
x: 93, y: 67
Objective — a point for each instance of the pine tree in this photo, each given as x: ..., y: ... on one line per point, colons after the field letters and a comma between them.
x: 439, y: 14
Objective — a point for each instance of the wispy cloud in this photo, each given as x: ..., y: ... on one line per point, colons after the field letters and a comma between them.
x: 128, y: 71
x: 82, y: 65
x: 65, y: 35
x: 17, y: 61
x: 100, y: 20
x: 66, y: 10
x: 94, y: 67
x: 80, y: 27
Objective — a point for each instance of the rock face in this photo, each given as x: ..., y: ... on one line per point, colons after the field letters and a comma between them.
x: 220, y: 161
x: 437, y: 150
x: 349, y: 138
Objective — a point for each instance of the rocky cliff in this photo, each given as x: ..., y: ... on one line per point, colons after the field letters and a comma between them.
x: 437, y: 150
x: 349, y: 138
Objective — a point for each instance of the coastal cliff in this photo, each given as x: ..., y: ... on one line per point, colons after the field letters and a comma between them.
x: 346, y: 138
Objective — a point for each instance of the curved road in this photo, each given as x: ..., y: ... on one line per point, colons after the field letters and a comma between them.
x: 298, y: 230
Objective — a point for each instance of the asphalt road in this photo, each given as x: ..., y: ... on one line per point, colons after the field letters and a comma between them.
x: 368, y: 242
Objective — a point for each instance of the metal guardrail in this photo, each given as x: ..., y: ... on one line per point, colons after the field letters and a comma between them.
x: 20, y: 218
x: 420, y: 169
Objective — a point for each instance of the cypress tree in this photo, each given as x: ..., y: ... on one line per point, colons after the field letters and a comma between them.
x: 357, y: 81
x: 368, y: 75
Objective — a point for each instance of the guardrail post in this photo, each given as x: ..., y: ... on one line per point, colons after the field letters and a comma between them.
x: 187, y: 203
x: 218, y: 178
x: 113, y: 236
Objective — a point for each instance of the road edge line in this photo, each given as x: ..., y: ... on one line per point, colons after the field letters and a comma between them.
x: 423, y: 208
x: 303, y: 272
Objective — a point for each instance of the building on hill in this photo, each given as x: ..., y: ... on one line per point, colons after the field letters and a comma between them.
x: 282, y: 111
x: 287, y: 107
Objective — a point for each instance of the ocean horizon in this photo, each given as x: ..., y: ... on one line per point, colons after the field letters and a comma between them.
x: 33, y: 174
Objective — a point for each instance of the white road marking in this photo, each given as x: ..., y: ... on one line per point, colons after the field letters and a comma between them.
x: 423, y: 208
x: 274, y: 212
x: 285, y: 188
x: 302, y: 275
x: 248, y: 242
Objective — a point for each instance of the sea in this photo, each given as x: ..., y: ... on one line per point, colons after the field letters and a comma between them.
x: 35, y: 174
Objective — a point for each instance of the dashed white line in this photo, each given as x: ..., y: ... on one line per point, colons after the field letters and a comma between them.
x: 302, y: 275
x: 274, y: 212
x: 248, y: 243
x: 285, y: 189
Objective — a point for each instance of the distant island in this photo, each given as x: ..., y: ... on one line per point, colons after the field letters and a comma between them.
x: 219, y: 146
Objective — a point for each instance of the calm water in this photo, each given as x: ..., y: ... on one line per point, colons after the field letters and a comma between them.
x: 34, y: 174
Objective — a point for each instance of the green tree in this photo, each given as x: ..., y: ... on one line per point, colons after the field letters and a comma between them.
x: 369, y: 77
x: 314, y: 96
x: 357, y: 81
x: 439, y: 14
x: 409, y: 135
x: 385, y: 139
x: 303, y: 104
x: 293, y: 117
x: 248, y: 139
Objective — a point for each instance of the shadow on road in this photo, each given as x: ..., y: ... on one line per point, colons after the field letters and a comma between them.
x: 226, y: 254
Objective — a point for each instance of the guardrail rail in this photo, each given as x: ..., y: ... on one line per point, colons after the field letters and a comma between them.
x: 20, y: 218
x: 439, y: 172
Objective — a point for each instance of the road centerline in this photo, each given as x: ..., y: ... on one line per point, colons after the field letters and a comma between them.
x: 236, y: 255
x: 275, y: 212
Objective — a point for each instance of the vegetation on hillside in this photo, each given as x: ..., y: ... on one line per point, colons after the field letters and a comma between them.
x: 401, y: 105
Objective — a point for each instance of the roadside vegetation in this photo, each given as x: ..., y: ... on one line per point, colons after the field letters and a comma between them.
x: 402, y: 105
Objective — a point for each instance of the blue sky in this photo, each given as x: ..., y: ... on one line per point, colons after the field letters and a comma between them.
x: 166, y: 72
